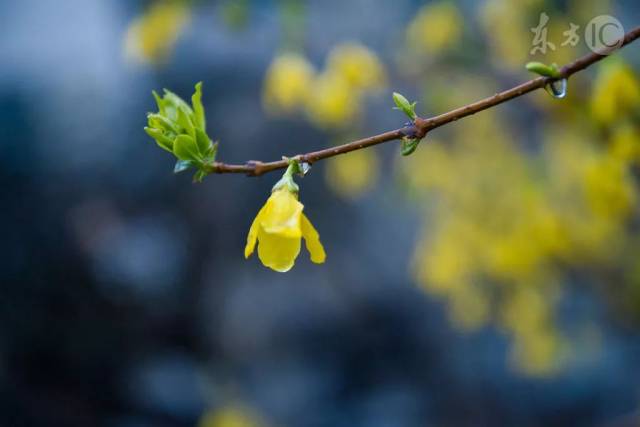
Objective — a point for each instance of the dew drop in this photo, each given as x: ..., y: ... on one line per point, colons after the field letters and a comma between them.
x: 304, y: 168
x: 557, y: 88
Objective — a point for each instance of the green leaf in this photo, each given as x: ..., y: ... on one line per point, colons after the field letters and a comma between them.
x: 185, y: 148
x: 198, y: 109
x: 182, y: 165
x: 173, y: 103
x: 184, y: 120
x: 175, y: 100
x: 543, y: 69
x: 163, y: 141
x: 409, y: 145
x: 203, y: 141
x: 159, y: 121
x: 159, y: 101
x: 403, y: 104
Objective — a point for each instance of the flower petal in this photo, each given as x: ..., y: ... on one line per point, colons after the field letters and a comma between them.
x: 282, y: 214
x: 276, y: 251
x: 253, y: 234
x: 312, y: 240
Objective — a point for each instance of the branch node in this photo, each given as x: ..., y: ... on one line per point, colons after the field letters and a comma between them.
x: 256, y: 168
x: 420, y: 127
x: 215, y: 167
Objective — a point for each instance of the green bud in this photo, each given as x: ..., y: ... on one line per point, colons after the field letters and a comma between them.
x: 405, y: 106
x: 409, y: 145
x: 543, y: 69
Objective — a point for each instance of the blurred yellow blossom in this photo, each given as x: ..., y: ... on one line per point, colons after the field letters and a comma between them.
x: 278, y: 228
x: 352, y: 71
x: 539, y: 353
x: 593, y: 193
x: 609, y: 187
x: 452, y: 87
x: 331, y: 102
x: 436, y: 27
x: 625, y: 143
x: 562, y: 54
x: 359, y: 66
x: 502, y: 223
x: 230, y: 416
x: 151, y: 37
x: 507, y: 27
x: 616, y: 92
x: 289, y: 80
x: 352, y: 174
x: 332, y: 98
x: 586, y: 10
x: 440, y: 266
x: 470, y: 308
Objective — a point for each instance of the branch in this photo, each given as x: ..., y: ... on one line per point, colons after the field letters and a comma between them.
x: 420, y: 125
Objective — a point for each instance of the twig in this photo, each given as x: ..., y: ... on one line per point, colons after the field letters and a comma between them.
x: 421, y: 126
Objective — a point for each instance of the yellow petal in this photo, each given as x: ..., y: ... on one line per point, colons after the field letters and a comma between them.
x: 276, y: 251
x: 312, y: 240
x: 253, y: 234
x: 282, y: 214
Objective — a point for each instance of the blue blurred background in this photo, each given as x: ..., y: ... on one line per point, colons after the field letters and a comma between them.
x: 125, y: 300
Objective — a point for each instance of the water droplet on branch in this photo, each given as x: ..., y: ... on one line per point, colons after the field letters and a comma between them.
x: 304, y: 168
x: 557, y: 88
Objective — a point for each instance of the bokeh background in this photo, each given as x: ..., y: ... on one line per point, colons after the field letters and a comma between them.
x: 491, y: 278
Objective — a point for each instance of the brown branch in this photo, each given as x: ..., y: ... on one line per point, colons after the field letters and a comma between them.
x: 421, y: 126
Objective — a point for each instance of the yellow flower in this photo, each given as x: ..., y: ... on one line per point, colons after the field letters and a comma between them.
x: 151, y: 37
x: 624, y: 144
x: 437, y: 26
x: 332, y: 103
x: 278, y: 228
x: 287, y: 83
x: 353, y: 174
x: 359, y: 66
x: 230, y: 416
x: 507, y: 31
x: 616, y: 92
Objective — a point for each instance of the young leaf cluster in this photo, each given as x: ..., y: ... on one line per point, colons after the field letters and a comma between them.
x: 409, y: 143
x: 180, y: 129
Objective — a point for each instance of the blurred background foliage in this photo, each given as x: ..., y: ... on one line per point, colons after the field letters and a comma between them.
x: 491, y: 278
